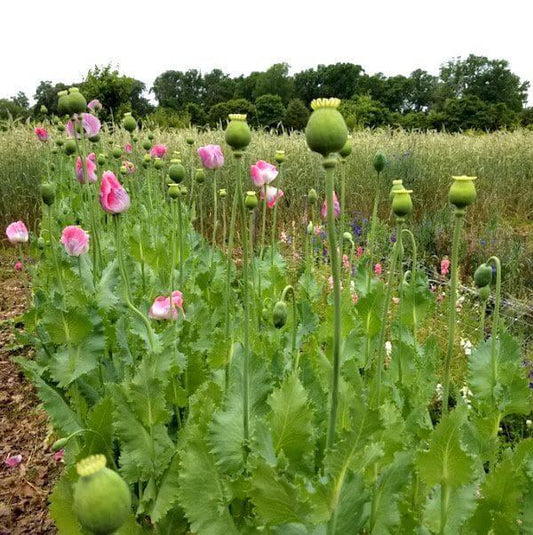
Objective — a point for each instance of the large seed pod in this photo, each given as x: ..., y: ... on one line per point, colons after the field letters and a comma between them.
x: 326, y: 130
x: 462, y: 191
x: 238, y: 134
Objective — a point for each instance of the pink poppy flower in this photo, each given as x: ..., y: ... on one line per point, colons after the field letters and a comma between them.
x: 113, y: 197
x: 17, y: 232
x: 58, y: 455
x: 444, y: 266
x: 158, y: 151
x: 90, y: 123
x: 13, y: 460
x: 95, y: 105
x: 91, y: 169
x: 41, y: 133
x: 18, y: 266
x: 75, y: 240
x: 378, y: 270
x: 160, y: 309
x: 360, y: 251
x: 263, y: 173
x: 128, y: 148
x: 211, y: 156
x: 272, y: 195
x: 336, y: 208
x: 130, y: 168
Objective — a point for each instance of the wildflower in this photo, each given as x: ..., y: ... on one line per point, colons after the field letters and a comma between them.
x: 345, y: 261
x: 90, y: 124
x: 90, y: 167
x: 113, y: 197
x: 211, y: 156
x: 263, y: 173
x: 439, y: 391
x: 158, y: 151
x: 336, y: 208
x: 355, y: 298
x: 75, y: 240
x: 466, y: 394
x: 272, y: 195
x: 41, y: 133
x: 395, y: 300
x: 283, y: 237
x: 17, y: 232
x: 359, y: 251
x: 58, y: 455
x: 128, y: 148
x: 445, y: 266
x: 467, y: 346
x: 95, y: 105
x: 378, y: 270
x: 18, y: 266
x: 160, y: 309
x: 128, y: 166
x: 13, y: 460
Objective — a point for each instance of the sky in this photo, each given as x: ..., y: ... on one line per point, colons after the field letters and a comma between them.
x: 60, y: 40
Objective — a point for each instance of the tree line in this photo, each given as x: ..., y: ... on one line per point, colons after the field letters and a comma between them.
x: 472, y: 93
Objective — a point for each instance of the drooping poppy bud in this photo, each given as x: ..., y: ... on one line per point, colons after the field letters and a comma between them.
x: 483, y: 275
x: 326, y: 130
x: 279, y: 314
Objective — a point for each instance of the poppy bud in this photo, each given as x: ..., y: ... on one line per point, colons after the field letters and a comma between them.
x: 128, y: 122
x: 326, y: 130
x: 151, y: 136
x: 77, y: 102
x: 484, y: 292
x: 402, y: 205
x: 147, y: 158
x: 312, y: 196
x: 199, y: 176
x: 462, y: 191
x: 116, y: 152
x: 101, y: 159
x: 380, y: 160
x: 183, y: 190
x: 102, y: 500
x: 159, y: 163
x: 123, y: 170
x: 147, y: 145
x: 280, y: 156
x: 43, y: 109
x: 347, y: 237
x: 60, y: 443
x: 279, y: 314
x: 251, y: 200
x: 190, y: 141
x: 63, y: 103
x: 48, y: 193
x: 135, y: 139
x: 70, y: 147
x: 238, y: 134
x: 397, y: 185
x: 346, y: 149
x: 176, y: 171
x: 483, y: 275
x: 174, y: 191
x: 59, y: 142
x: 41, y: 243
x: 95, y: 138
x: 265, y: 315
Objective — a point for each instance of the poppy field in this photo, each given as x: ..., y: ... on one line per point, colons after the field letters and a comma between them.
x: 212, y: 366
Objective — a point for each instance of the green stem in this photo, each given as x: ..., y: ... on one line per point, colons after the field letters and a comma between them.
x: 286, y: 290
x: 444, y: 502
x: 459, y: 220
x: 329, y: 165
x: 372, y: 236
x: 180, y: 239
x: 496, y: 318
x: 413, y: 281
x: 482, y: 320
x: 215, y: 221
x: 275, y: 218
x: 343, y: 199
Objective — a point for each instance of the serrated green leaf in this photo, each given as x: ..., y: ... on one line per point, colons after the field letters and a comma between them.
x: 106, y: 296
x: 61, y: 507
x: 350, y: 513
x: 100, y: 421
x: 291, y: 422
x: 167, y: 492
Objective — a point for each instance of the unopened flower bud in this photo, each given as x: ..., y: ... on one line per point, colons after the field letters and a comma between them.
x: 312, y: 196
x: 59, y: 444
x: 199, y: 176
x: 48, y: 193
x: 280, y: 156
x: 279, y: 314
x: 190, y: 141
x: 147, y: 145
x: 116, y: 152
x: 101, y: 159
x: 70, y: 147
x: 380, y: 160
x: 176, y: 171
x: 483, y: 275
x: 310, y: 228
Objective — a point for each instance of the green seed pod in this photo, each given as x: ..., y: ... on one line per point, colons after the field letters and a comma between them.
x: 128, y: 122
x: 54, y: 150
x: 101, y: 159
x: 174, y: 191
x: 77, y: 101
x: 48, y: 193
x: 70, y: 147
x: 151, y: 136
x: 251, y: 201
x: 159, y: 164
x: 95, y: 138
x: 397, y: 185
x: 222, y: 193
x: 147, y: 145
x: 190, y: 141
x: 279, y: 314
x: 238, y: 134
x: 199, y: 176
x: 310, y: 228
x: 176, y: 171
x: 59, y: 142
x: 280, y: 156
x: 484, y: 292
x: 116, y: 152
x: 135, y: 139
x: 346, y: 149
x: 183, y: 190
x: 147, y: 158
x: 63, y: 103
x: 102, y: 500
x: 123, y: 170
x: 326, y: 130
x: 43, y: 109
x: 402, y: 205
x: 312, y: 196
x: 462, y: 191
x: 483, y: 275
x: 380, y: 161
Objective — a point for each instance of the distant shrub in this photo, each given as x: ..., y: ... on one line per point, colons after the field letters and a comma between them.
x: 296, y: 115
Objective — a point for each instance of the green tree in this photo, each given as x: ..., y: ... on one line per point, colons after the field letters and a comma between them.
x: 196, y: 113
x: 422, y: 90
x: 296, y: 115
x: 275, y: 81
x: 218, y: 114
x: 175, y: 89
x: 363, y: 111
x: 270, y: 110
x: 46, y: 95
x: 217, y: 87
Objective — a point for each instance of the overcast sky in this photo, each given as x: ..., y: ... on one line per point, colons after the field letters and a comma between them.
x: 60, y: 40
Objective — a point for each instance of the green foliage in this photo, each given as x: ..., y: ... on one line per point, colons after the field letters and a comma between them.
x: 270, y: 110
x: 218, y: 114
x: 296, y: 115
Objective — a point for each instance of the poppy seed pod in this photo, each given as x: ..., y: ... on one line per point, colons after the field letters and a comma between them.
x: 147, y: 145
x: 238, y: 134
x: 63, y: 103
x: 59, y: 142
x: 116, y: 152
x: 380, y: 161
x: 312, y: 196
x: 101, y: 159
x: 222, y: 193
x: 147, y: 158
x: 128, y: 122
x: 483, y: 275
x: 251, y: 200
x: 402, y: 205
x: 70, y: 147
x: 43, y: 109
x: 135, y: 139
x: 48, y: 193
x: 462, y: 191
x: 280, y: 156
x: 190, y: 141
x: 176, y: 171
x: 279, y: 314
x: 151, y: 136
x: 159, y: 163
x: 326, y: 130
x: 484, y: 292
x: 397, y: 185
x: 102, y: 500
x: 183, y: 190
x: 77, y: 102
x: 199, y: 176
x: 174, y: 191
x: 346, y: 149
x: 95, y: 138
